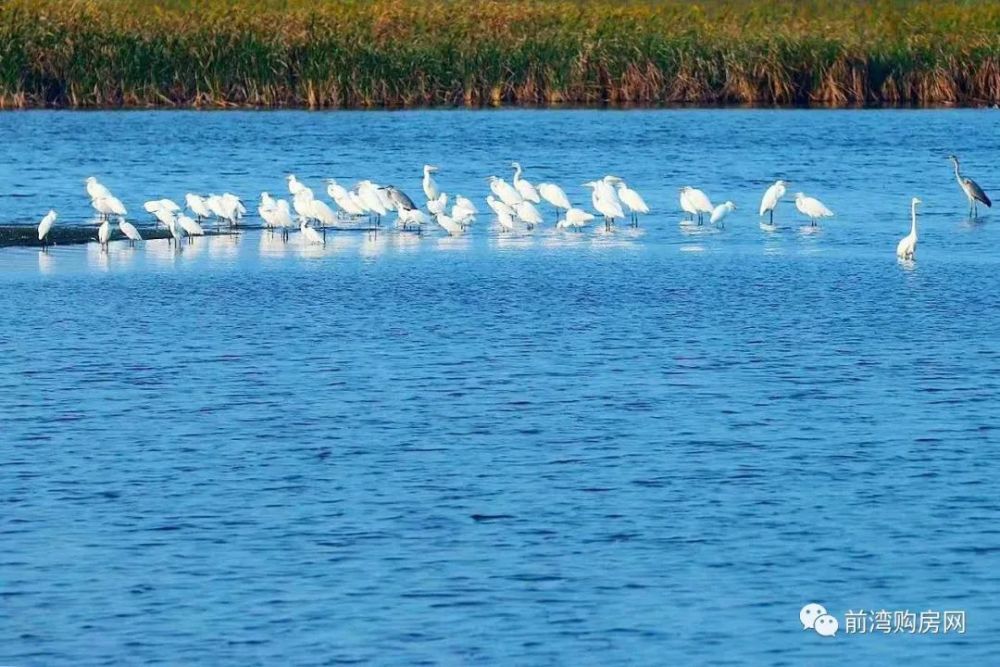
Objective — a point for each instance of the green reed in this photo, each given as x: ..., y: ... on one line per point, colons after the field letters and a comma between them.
x: 363, y: 53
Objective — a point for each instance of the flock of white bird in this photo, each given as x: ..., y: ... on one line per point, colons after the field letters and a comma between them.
x: 514, y: 204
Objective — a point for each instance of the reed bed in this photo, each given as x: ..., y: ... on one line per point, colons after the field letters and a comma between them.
x: 399, y: 53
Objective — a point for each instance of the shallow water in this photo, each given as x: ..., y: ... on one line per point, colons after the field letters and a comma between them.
x: 648, y: 446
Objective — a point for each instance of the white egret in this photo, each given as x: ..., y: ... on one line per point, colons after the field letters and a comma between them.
x: 266, y: 201
x: 104, y: 234
x: 226, y: 207
x: 281, y: 216
x: 449, y: 224
x: 214, y: 204
x: 190, y: 227
x: 811, y: 207
x: 45, y: 225
x: 575, y: 218
x: 163, y: 215
x: 499, y: 207
x: 107, y: 206
x: 523, y: 187
x: 463, y: 211
x: 605, y: 202
x: 771, y: 198
x: 95, y: 190
x: 321, y: 212
x: 438, y: 205
x: 690, y: 210
x: 554, y: 195
x: 196, y: 204
x: 505, y: 220
x: 129, y: 230
x: 698, y: 201
x: 165, y: 204
x: 505, y: 191
x: 341, y: 196
x: 907, y: 246
x: 358, y: 202
x: 335, y: 190
x: 412, y: 216
x: 295, y: 186
x: 528, y: 214
x: 176, y: 233
x: 370, y: 195
x: 302, y: 203
x: 233, y: 208
x: 633, y: 200
x: 972, y: 191
x: 309, y: 235
x: 266, y: 209
x: 430, y: 187
x: 720, y: 213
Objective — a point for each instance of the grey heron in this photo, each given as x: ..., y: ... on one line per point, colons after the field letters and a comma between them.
x: 399, y: 198
x: 971, y: 190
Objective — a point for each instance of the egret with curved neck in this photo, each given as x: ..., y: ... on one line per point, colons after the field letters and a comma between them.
x: 907, y: 247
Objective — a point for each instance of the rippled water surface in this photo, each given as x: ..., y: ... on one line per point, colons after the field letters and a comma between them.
x: 651, y: 446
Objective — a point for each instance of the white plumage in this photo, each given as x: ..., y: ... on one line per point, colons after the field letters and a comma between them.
x: 46, y: 224
x: 528, y: 214
x: 505, y: 191
x: 523, y: 187
x: 698, y: 201
x: 449, y: 225
x: 309, y: 235
x: 721, y: 211
x: 438, y: 205
x: 554, y: 195
x: 129, y: 230
x: 430, y: 186
x: 190, y: 227
x: 575, y: 218
x: 109, y: 205
x: 811, y: 207
x: 196, y: 204
x: 907, y: 247
x: 95, y: 190
x: 771, y: 198
x: 104, y: 233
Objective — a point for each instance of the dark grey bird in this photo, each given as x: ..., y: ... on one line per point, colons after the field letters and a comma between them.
x: 971, y: 190
x: 399, y: 198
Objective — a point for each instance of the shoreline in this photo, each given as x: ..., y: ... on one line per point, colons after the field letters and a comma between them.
x: 981, y: 106
x: 26, y: 235
x: 398, y: 54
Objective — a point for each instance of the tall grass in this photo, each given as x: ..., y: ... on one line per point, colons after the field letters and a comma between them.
x: 363, y: 53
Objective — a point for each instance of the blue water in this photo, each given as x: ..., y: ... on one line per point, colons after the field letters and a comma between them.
x: 652, y: 446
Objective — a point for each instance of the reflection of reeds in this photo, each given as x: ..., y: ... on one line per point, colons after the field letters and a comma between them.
x: 359, y: 53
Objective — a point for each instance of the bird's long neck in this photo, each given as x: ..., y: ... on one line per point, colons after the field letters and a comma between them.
x: 517, y: 173
x: 958, y: 176
x: 913, y: 219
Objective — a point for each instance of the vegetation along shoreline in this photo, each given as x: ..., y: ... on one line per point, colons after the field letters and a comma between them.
x: 404, y: 53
